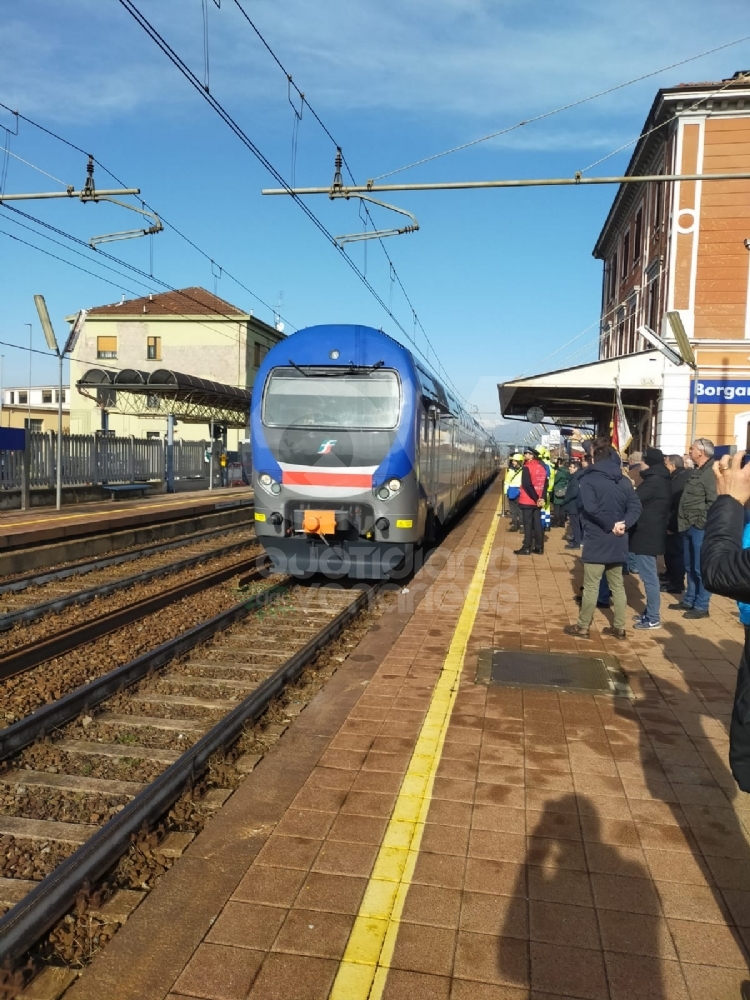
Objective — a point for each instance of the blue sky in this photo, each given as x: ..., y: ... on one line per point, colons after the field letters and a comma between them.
x: 499, y: 279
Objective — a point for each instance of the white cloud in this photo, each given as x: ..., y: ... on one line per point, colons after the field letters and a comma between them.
x: 463, y: 66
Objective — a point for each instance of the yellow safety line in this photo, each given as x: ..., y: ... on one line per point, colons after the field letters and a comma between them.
x: 364, y: 967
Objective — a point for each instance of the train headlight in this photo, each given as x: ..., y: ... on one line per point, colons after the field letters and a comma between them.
x: 269, y: 484
x: 384, y: 493
x: 394, y: 485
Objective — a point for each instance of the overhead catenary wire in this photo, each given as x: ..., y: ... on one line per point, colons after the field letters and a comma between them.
x: 125, y: 288
x: 118, y: 180
x: 661, y: 125
x: 28, y: 163
x: 110, y: 366
x: 216, y: 105
x: 393, y: 273
x: 564, y: 107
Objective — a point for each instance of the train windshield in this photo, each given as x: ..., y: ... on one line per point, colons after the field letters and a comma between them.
x: 366, y: 400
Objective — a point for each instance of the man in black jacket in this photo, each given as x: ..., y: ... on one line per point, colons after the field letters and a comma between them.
x: 570, y: 503
x: 697, y: 496
x: 725, y: 567
x: 648, y: 537
x: 610, y: 508
x: 674, y: 554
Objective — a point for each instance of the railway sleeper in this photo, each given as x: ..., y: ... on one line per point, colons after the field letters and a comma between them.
x: 73, y: 782
x: 151, y: 722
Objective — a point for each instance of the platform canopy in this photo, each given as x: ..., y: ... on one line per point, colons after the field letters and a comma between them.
x: 159, y: 393
x: 581, y: 395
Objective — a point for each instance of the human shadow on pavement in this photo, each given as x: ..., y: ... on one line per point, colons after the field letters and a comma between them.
x: 683, y: 768
x: 580, y: 897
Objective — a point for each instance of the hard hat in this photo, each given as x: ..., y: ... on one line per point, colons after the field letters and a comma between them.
x: 518, y: 457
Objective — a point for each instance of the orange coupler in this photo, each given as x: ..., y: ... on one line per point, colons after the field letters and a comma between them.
x: 319, y: 522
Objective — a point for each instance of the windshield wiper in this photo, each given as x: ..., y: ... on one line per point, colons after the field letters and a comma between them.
x: 337, y: 372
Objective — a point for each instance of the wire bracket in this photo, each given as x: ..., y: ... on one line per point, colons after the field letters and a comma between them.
x: 89, y: 193
x: 338, y: 190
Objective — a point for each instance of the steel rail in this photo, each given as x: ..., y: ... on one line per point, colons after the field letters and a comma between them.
x: 19, y: 583
x: 34, y: 653
x: 27, y: 921
x: 105, y: 589
x: 33, y: 727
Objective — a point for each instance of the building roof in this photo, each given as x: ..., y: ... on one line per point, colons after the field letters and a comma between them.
x: 581, y: 393
x: 667, y: 103
x: 181, y: 302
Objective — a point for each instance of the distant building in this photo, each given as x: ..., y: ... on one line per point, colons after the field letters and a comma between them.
x: 36, y: 407
x: 190, y: 331
x: 679, y: 246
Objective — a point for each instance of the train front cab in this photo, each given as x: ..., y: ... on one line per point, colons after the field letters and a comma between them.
x: 335, y: 485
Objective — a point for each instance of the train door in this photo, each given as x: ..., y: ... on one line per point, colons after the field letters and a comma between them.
x: 430, y: 434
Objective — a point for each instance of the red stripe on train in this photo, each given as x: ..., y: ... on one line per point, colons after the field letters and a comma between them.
x: 327, y: 479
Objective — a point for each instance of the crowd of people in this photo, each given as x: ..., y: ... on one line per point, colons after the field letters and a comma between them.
x: 622, y: 516
x: 689, y: 509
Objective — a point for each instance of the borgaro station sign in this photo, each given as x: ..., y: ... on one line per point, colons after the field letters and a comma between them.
x: 722, y: 391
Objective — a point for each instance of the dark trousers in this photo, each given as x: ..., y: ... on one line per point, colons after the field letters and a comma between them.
x: 533, y: 534
x: 558, y: 515
x: 515, y: 513
x: 576, y: 531
x: 674, y: 557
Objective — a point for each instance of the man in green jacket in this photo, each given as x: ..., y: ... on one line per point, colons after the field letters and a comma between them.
x: 697, y: 496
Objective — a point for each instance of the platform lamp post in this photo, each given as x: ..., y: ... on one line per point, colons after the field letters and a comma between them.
x: 684, y: 355
x: 688, y: 356
x: 49, y: 336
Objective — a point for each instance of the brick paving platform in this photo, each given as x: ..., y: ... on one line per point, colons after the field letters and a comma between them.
x: 44, y: 524
x: 575, y: 845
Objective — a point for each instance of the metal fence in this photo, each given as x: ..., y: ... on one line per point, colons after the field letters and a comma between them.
x: 96, y: 459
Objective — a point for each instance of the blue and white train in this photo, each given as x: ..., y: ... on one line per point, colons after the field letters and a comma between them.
x: 360, y: 455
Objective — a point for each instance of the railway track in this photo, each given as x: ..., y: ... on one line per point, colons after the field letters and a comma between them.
x: 32, y: 654
x: 13, y: 584
x: 124, y: 747
x: 19, y: 598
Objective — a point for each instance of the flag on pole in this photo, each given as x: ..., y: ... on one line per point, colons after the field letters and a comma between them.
x: 621, y: 434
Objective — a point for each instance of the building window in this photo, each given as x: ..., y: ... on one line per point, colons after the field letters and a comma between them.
x: 653, y: 304
x: 638, y: 235
x: 33, y: 425
x: 658, y: 196
x: 259, y: 353
x: 620, y: 343
x: 57, y: 396
x: 613, y: 276
x: 12, y: 398
x: 153, y: 348
x: 106, y: 347
x: 46, y: 395
x: 153, y: 435
x: 625, y: 256
x: 23, y: 398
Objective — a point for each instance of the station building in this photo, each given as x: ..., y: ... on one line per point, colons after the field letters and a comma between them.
x: 190, y: 331
x: 684, y: 247
x: 34, y: 407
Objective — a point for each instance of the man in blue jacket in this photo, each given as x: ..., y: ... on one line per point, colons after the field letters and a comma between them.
x: 610, y: 508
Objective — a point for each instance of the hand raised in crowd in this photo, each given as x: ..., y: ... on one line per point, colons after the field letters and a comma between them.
x: 618, y: 528
x: 731, y: 479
